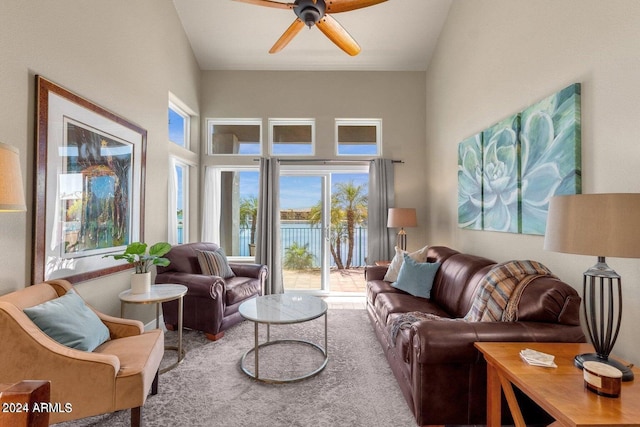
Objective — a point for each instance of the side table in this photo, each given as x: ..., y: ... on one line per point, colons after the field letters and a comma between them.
x: 559, y: 391
x: 157, y: 295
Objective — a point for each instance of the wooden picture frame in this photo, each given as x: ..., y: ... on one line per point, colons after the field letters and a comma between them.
x: 89, y: 188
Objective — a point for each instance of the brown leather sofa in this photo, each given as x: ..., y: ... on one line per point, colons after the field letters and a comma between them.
x: 211, y: 303
x: 441, y: 374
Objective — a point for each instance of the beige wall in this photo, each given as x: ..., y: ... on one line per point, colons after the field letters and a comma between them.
x: 395, y: 97
x: 496, y: 57
x: 122, y: 55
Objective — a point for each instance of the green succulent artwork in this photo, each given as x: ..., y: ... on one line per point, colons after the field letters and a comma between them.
x: 550, y: 153
x: 500, y: 175
x: 508, y: 173
x: 470, y: 183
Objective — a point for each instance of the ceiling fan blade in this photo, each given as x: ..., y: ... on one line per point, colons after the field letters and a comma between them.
x: 337, y: 34
x: 269, y: 3
x: 288, y: 35
x: 337, y: 6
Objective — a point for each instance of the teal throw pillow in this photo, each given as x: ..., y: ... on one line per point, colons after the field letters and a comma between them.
x: 416, y: 278
x: 68, y: 320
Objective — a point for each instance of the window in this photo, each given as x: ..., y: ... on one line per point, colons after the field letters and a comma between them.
x: 234, y: 193
x: 181, y: 160
x: 292, y: 137
x: 179, y: 202
x: 234, y: 136
x: 179, y: 124
x: 358, y: 137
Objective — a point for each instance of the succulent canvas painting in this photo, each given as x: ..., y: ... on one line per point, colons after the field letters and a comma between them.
x: 550, y: 154
x: 470, y: 183
x: 500, y: 175
x: 508, y: 173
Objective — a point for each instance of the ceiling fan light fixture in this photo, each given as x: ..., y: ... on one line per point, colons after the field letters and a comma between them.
x: 310, y: 16
x: 309, y: 11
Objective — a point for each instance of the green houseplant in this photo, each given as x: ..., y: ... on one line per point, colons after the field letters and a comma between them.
x: 137, y: 255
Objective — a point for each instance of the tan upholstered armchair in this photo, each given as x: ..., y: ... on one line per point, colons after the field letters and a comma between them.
x: 117, y: 375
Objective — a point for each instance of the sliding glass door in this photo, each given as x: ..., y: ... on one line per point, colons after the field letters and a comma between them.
x: 303, y: 222
x: 323, y: 228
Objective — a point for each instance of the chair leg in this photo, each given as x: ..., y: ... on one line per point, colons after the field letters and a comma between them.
x: 154, y: 385
x: 214, y: 337
x: 136, y: 416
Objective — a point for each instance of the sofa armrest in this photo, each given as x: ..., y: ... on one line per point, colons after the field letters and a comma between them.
x: 36, y: 347
x: 375, y: 272
x: 255, y: 271
x: 120, y: 328
x: 445, y: 341
x: 198, y: 285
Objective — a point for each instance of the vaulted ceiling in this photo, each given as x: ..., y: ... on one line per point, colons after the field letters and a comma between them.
x: 397, y: 35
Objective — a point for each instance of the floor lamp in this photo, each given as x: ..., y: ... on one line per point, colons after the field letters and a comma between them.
x: 11, y: 191
x: 601, y: 225
x: 402, y: 217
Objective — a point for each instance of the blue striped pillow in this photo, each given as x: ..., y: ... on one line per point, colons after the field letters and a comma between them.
x: 214, y: 263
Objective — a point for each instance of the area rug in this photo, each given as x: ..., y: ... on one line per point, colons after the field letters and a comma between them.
x: 357, y: 387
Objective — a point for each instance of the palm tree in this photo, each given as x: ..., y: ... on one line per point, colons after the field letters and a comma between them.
x: 352, y: 199
x: 249, y: 216
x: 337, y: 229
x: 348, y: 209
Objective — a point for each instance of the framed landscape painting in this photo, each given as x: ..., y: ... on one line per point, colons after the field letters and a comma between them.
x: 90, y: 186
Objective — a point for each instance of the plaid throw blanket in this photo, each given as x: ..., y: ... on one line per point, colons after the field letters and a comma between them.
x: 499, y: 293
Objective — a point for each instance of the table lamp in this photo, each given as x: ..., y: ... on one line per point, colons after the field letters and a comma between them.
x: 601, y: 225
x: 11, y: 191
x: 402, y: 217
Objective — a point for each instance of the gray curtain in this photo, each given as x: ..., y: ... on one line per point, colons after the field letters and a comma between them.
x: 381, y: 198
x: 268, y: 251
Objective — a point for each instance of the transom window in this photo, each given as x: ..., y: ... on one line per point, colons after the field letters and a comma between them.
x: 358, y: 137
x: 292, y: 137
x: 234, y: 137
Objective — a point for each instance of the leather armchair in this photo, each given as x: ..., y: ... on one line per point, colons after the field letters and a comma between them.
x: 211, y: 303
x: 117, y: 375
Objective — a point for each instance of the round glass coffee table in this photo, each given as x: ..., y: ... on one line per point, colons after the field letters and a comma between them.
x: 282, y: 309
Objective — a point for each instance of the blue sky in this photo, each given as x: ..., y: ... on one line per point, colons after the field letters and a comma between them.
x: 298, y: 192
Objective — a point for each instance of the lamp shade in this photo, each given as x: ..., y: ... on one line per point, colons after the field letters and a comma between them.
x: 604, y: 225
x: 11, y: 191
x: 402, y: 217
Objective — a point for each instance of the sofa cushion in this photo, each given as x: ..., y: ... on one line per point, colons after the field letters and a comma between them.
x: 398, y: 259
x: 140, y: 356
x: 457, y: 280
x: 416, y: 278
x: 214, y: 263
x: 68, y: 320
x: 388, y: 303
x: 376, y: 287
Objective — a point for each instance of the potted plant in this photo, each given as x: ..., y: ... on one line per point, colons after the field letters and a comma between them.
x: 136, y: 254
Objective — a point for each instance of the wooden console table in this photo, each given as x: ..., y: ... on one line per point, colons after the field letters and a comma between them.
x: 559, y: 391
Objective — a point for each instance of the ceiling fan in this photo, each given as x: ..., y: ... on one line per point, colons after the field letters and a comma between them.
x: 317, y: 12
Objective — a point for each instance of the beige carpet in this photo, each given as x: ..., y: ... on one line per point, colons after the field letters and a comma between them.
x: 356, y: 388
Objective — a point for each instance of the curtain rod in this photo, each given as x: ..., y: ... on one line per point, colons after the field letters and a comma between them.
x: 325, y: 161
